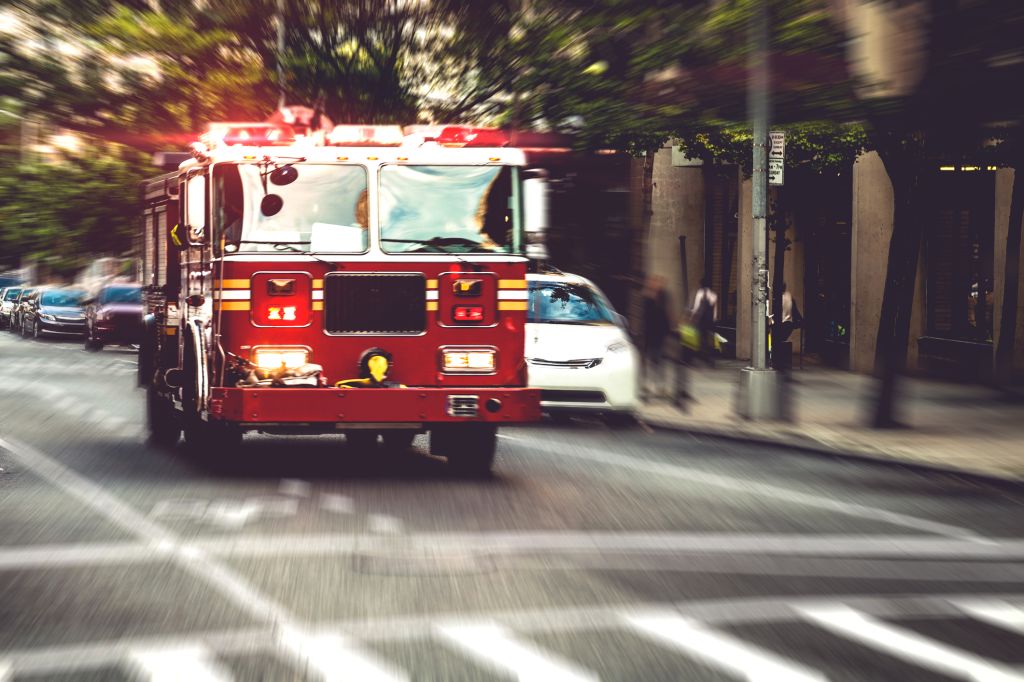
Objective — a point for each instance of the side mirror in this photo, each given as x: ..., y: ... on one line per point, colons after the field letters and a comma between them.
x: 535, y: 213
x: 195, y: 208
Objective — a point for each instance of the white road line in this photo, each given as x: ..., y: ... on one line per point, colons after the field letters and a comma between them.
x: 496, y: 648
x: 225, y: 580
x: 384, y: 524
x: 751, y: 488
x: 719, y: 649
x: 191, y: 664
x: 337, y: 659
x: 995, y: 612
x: 295, y: 487
x: 338, y: 504
x: 907, y: 645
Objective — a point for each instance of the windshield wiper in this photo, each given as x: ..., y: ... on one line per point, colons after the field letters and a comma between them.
x: 288, y: 246
x: 436, y: 244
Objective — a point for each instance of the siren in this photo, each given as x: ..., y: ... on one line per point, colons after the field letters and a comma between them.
x: 465, y: 136
x: 366, y: 136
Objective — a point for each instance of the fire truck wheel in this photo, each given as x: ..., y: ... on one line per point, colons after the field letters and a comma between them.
x: 397, y: 440
x: 470, y: 448
x: 361, y: 440
x: 162, y: 420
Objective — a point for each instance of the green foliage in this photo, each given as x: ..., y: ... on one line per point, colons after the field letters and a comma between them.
x: 64, y: 214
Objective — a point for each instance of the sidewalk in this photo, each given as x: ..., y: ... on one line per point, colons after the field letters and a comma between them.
x: 954, y: 427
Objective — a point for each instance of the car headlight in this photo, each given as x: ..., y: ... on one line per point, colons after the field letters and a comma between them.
x: 48, y: 317
x: 468, y: 360
x: 274, y: 358
x: 6, y: 306
x: 618, y: 346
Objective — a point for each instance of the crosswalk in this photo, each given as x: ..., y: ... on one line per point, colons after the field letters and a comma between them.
x: 520, y: 651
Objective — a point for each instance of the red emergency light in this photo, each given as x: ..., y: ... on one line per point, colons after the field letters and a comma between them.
x: 249, y: 135
x: 465, y: 136
x: 468, y: 313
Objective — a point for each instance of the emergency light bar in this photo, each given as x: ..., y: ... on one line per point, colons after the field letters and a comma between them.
x: 366, y: 136
x: 248, y: 135
x: 463, y: 136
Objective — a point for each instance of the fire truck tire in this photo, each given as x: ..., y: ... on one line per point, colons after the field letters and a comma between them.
x: 161, y: 419
x: 397, y: 440
x: 470, y: 448
x: 361, y: 440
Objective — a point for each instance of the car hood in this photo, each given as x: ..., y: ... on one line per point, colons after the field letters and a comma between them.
x: 562, y: 342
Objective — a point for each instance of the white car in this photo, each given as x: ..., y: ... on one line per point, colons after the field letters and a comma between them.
x: 577, y: 348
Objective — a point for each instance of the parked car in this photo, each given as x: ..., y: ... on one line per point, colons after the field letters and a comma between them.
x: 19, y: 305
x: 54, y: 312
x: 577, y: 348
x: 114, y: 315
x: 8, y: 295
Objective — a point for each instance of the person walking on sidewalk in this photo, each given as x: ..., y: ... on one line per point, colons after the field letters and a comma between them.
x: 704, y: 314
x: 656, y: 330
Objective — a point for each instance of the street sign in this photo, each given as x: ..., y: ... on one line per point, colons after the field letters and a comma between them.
x: 776, y: 157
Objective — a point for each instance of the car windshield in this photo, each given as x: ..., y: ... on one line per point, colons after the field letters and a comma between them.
x: 121, y: 295
x: 448, y: 209
x: 565, y: 303
x: 291, y: 207
x: 11, y: 294
x: 62, y: 298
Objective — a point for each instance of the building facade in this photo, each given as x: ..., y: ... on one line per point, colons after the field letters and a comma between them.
x: 836, y: 242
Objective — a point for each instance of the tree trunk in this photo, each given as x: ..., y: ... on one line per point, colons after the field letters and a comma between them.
x: 1011, y: 282
x: 900, y: 278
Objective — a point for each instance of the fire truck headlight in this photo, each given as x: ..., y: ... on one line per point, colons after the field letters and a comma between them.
x: 273, y: 358
x: 468, y: 360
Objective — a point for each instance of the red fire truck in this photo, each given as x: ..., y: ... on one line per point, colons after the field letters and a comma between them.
x: 361, y: 282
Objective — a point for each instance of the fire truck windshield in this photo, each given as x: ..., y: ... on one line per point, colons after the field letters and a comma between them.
x: 449, y: 209
x: 319, y: 207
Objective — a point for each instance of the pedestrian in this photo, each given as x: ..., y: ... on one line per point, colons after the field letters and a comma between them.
x: 704, y: 314
x: 789, y: 319
x: 656, y: 330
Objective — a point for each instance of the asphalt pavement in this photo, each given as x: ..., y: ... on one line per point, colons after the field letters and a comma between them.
x: 592, y: 553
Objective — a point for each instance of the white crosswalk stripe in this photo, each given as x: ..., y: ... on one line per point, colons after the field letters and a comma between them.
x: 907, y: 645
x: 496, y: 648
x: 720, y: 650
x: 999, y: 613
x: 335, y: 659
x: 190, y: 664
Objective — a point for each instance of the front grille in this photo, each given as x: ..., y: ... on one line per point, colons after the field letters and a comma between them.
x: 561, y: 396
x: 586, y: 363
x: 356, y: 303
x: 70, y: 320
x: 463, y: 406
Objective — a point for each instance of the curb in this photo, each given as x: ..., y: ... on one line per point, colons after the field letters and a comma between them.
x: 810, y: 444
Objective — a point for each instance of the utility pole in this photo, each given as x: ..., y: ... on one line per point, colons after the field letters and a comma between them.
x: 760, y: 395
x: 281, y: 103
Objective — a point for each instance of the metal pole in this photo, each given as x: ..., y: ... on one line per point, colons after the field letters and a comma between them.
x: 760, y: 395
x: 759, y: 117
x: 280, y: 54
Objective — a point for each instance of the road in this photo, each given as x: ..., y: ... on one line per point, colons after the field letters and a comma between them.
x: 592, y: 554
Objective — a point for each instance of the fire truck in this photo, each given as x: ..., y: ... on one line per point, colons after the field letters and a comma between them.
x: 356, y: 280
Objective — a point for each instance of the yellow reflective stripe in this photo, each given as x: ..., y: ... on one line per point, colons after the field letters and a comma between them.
x: 431, y: 283
x: 234, y: 305
x: 511, y: 283
x: 232, y: 284
x: 431, y: 305
x: 318, y: 305
x: 513, y: 305
x: 318, y: 284
x: 170, y: 331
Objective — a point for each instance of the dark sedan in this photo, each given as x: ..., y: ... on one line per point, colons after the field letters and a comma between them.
x: 20, y: 301
x: 55, y: 312
x: 114, y: 316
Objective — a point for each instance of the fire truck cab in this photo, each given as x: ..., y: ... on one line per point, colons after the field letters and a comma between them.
x: 361, y: 282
